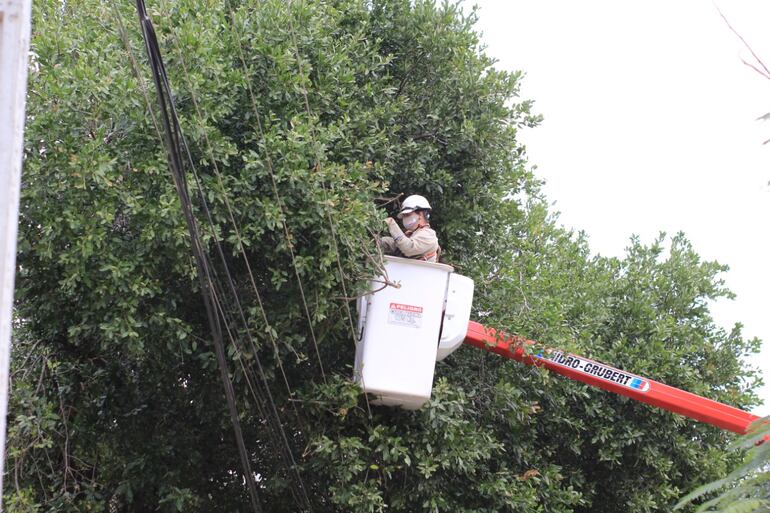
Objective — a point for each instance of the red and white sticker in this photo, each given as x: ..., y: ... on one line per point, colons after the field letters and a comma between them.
x: 405, y: 315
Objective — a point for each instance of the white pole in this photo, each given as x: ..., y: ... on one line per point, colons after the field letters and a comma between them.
x: 14, y: 51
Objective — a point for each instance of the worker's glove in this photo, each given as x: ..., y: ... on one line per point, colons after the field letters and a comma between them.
x: 394, y: 228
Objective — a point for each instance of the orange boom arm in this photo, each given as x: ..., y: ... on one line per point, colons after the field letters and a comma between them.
x: 613, y: 380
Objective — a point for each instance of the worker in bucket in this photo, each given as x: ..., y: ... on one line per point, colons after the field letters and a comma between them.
x: 417, y: 240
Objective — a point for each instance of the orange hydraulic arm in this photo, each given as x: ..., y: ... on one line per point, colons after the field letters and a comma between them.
x: 613, y: 380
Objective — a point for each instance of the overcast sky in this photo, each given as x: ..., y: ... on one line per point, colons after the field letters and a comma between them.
x: 650, y: 124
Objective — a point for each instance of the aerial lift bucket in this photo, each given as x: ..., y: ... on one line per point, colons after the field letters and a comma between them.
x: 405, y: 327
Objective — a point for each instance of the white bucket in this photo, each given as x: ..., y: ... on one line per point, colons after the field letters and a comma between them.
x: 399, y: 332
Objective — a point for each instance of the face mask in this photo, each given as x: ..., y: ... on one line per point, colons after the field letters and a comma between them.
x: 411, y: 221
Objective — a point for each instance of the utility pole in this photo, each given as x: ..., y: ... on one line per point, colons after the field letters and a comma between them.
x: 14, y: 51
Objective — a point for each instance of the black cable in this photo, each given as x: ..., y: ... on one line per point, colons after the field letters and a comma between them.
x: 171, y: 133
x: 212, y: 290
x: 272, y: 416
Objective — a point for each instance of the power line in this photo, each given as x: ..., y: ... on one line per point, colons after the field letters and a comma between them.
x: 172, y: 140
x: 217, y: 293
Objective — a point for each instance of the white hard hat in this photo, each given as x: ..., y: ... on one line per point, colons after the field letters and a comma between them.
x: 413, y: 203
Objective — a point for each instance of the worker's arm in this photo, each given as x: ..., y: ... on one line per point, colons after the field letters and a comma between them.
x: 421, y: 242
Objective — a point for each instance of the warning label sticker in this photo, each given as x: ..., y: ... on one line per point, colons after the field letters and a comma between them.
x: 405, y: 315
x: 599, y: 370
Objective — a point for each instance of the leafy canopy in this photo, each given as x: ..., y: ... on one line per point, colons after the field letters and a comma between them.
x: 301, y: 118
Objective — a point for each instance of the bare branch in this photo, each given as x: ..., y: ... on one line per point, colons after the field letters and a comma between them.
x: 756, y: 69
x: 766, y: 73
x: 382, y: 201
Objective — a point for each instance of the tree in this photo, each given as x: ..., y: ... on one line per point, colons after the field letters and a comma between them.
x: 299, y: 116
x: 647, y: 312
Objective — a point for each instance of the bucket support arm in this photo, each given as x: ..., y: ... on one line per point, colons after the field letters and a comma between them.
x: 613, y: 380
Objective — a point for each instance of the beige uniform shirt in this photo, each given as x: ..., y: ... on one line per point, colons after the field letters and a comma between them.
x: 422, y: 241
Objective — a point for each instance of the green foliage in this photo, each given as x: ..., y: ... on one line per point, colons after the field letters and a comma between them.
x: 300, y: 117
x: 748, y: 485
x: 647, y: 312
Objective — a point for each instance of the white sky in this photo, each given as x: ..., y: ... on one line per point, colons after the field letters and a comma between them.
x: 650, y: 124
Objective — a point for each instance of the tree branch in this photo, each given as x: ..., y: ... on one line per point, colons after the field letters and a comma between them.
x: 766, y: 72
